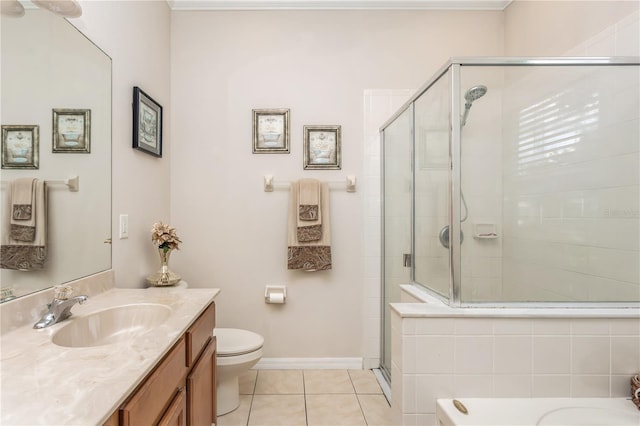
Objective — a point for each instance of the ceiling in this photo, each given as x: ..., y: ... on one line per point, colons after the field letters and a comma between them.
x: 338, y: 4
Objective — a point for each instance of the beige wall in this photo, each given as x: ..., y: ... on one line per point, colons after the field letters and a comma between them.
x: 552, y: 28
x: 135, y: 34
x: 318, y: 64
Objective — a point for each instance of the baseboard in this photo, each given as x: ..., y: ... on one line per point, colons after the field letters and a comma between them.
x: 309, y: 364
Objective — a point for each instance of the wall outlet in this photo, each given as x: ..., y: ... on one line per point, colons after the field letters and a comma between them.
x: 124, y: 226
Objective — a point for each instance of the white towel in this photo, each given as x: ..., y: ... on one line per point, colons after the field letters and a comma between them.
x: 20, y: 254
x: 308, y: 255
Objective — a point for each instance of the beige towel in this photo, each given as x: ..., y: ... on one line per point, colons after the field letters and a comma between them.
x: 309, y: 199
x: 23, y: 222
x: 20, y: 254
x: 309, y: 216
x: 308, y: 255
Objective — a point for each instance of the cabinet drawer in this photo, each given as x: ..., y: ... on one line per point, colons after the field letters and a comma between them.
x: 152, y: 398
x: 199, y: 333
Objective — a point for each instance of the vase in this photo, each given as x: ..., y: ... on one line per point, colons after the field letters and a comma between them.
x: 164, y: 276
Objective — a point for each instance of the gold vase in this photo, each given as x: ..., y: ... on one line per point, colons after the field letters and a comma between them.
x: 164, y: 276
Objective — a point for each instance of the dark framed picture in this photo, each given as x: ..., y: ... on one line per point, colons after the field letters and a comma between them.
x: 322, y: 147
x: 271, y: 131
x: 147, y: 123
x: 20, y: 146
x: 72, y: 130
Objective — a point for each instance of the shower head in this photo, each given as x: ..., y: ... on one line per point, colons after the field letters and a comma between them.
x: 473, y: 94
x: 476, y: 92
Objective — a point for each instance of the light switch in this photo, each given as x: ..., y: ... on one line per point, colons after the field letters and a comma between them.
x: 124, y: 226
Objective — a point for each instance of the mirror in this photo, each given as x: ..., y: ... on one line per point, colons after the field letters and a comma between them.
x: 48, y: 64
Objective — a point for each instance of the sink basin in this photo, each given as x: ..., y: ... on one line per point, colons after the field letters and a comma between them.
x: 111, y: 325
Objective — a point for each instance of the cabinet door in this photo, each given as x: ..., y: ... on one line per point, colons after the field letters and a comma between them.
x: 201, y: 388
x: 176, y: 414
x: 148, y: 403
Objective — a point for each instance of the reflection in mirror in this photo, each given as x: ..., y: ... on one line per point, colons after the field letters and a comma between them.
x: 47, y: 65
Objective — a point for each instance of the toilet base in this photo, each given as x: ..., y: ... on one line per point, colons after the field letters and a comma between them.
x: 228, y: 395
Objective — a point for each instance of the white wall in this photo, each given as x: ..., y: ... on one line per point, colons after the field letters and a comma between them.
x: 319, y: 65
x: 135, y: 34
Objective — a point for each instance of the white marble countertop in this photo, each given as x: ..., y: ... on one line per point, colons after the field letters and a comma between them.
x: 46, y: 384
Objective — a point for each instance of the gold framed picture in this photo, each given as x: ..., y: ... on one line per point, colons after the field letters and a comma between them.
x: 322, y: 147
x: 271, y: 131
x: 72, y: 130
x: 20, y: 146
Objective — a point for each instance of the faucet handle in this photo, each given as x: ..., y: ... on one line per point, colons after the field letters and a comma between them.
x: 62, y: 292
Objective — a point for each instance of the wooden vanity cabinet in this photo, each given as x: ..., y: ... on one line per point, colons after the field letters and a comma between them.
x: 181, y: 389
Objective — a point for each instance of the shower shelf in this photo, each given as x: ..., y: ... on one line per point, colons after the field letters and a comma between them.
x: 485, y: 231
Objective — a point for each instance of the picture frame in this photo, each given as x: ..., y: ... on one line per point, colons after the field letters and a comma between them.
x: 271, y: 131
x: 20, y: 146
x: 322, y: 147
x: 147, y: 123
x: 71, y: 130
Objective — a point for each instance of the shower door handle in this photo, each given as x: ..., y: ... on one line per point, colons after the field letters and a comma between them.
x: 406, y: 260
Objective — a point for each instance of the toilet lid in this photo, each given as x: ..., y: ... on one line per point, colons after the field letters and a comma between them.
x: 234, y: 341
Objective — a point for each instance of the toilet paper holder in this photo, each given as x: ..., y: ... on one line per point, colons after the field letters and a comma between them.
x: 275, y: 294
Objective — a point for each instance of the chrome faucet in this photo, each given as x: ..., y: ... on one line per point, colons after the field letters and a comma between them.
x: 60, y: 308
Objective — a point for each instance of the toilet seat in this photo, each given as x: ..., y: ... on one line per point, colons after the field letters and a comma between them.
x: 234, y: 341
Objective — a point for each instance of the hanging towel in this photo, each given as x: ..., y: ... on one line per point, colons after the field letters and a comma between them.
x: 23, y: 224
x: 309, y: 212
x: 309, y: 193
x: 16, y: 253
x: 309, y: 255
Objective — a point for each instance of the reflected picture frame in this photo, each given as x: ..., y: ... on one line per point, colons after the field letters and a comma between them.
x: 147, y: 123
x: 322, y: 147
x: 20, y: 146
x: 271, y: 131
x: 71, y: 130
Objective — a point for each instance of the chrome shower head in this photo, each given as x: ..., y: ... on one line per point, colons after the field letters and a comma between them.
x: 473, y: 94
x: 476, y: 92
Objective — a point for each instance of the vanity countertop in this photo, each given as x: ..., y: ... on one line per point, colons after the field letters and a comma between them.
x: 46, y: 384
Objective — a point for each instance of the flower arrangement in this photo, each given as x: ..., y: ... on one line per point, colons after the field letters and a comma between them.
x: 165, y: 236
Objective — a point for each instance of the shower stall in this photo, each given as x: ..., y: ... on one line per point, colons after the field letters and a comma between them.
x: 515, y: 182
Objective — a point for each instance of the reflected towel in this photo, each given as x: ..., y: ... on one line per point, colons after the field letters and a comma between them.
x: 23, y: 224
x: 309, y: 255
x: 20, y: 254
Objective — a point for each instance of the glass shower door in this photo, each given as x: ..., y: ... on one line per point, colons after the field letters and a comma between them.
x: 397, y: 143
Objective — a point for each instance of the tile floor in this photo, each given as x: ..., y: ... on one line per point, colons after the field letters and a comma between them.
x: 309, y: 398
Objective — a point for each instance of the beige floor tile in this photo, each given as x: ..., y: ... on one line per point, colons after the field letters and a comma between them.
x: 247, y: 382
x: 278, y: 382
x: 277, y: 410
x: 327, y: 381
x: 364, y: 381
x: 239, y: 416
x: 376, y: 409
x: 334, y: 410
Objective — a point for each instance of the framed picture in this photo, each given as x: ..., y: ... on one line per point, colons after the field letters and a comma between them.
x: 147, y: 123
x: 72, y: 130
x: 270, y: 131
x: 20, y: 147
x: 322, y: 147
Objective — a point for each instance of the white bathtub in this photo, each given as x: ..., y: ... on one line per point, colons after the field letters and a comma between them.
x: 539, y: 411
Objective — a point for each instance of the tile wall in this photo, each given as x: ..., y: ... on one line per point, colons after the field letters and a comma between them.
x: 508, y: 357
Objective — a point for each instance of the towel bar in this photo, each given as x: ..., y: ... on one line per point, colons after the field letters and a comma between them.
x: 73, y: 183
x: 269, y: 183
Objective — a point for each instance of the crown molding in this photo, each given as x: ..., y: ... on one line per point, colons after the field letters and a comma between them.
x: 194, y: 5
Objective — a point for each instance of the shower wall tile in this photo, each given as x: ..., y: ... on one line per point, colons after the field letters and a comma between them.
x: 584, y: 386
x: 552, y: 386
x: 590, y: 355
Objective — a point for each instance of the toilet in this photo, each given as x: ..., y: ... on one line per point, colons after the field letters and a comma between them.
x: 237, y: 351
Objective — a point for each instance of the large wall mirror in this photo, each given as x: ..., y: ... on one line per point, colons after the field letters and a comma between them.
x: 47, y: 65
